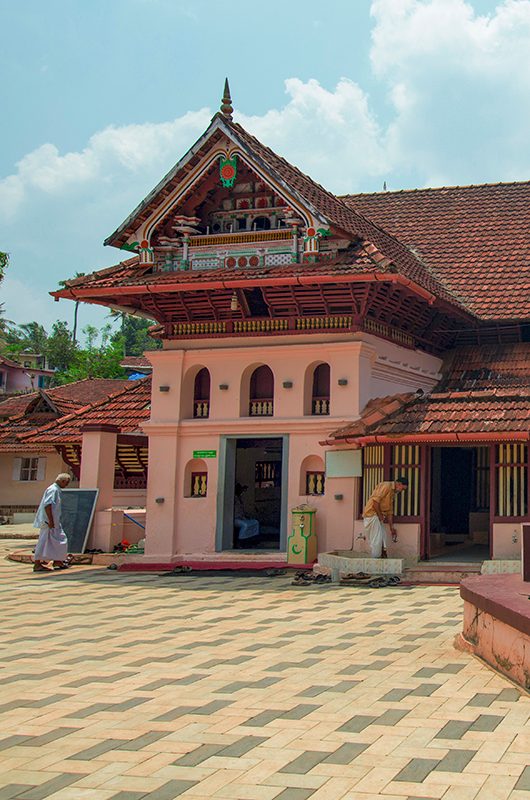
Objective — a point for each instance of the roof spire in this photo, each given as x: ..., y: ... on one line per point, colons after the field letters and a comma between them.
x: 226, y: 102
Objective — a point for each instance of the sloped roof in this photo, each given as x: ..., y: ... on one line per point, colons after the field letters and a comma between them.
x: 485, y: 390
x: 65, y: 398
x: 467, y: 246
x: 323, y: 203
x: 136, y: 361
x: 474, y: 239
x: 127, y: 409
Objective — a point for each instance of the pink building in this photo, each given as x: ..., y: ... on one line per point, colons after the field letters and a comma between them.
x: 284, y: 312
x: 24, y: 375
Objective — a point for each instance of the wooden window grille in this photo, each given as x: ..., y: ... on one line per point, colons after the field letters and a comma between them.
x: 267, y: 474
x: 373, y: 469
x: 406, y: 464
x: 199, y: 484
x: 512, y: 480
x: 315, y: 483
x: 482, y: 479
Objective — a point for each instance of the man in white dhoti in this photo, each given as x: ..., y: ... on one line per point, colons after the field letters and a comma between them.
x: 52, y: 544
x: 379, y: 510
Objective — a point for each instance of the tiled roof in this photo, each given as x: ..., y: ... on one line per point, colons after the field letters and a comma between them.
x: 128, y: 409
x: 475, y: 239
x: 468, y: 246
x: 65, y: 398
x: 383, y: 248
x: 137, y: 362
x: 484, y: 390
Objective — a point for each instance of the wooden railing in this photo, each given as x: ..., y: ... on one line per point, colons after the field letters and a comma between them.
x: 242, y: 237
x: 130, y: 482
x: 266, y: 325
x: 261, y: 408
x: 260, y: 325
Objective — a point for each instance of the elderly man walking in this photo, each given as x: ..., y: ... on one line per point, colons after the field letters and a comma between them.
x: 52, y: 544
x: 378, y: 511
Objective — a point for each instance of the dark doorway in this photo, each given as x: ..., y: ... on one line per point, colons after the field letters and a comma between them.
x: 459, y: 513
x: 253, y: 489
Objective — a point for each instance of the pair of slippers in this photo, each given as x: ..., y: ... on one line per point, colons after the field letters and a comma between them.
x: 372, y: 581
x: 310, y: 579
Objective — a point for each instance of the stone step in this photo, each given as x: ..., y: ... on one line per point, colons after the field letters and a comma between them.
x: 439, y: 573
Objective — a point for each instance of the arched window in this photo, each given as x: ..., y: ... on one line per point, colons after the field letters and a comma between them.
x: 320, y: 391
x: 196, y: 478
x: 201, y: 394
x: 261, y: 224
x: 312, y: 476
x: 261, y: 400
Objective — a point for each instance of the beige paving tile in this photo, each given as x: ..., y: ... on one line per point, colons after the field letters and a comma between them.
x: 217, y: 640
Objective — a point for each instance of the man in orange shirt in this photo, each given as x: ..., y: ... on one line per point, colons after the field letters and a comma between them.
x: 378, y: 511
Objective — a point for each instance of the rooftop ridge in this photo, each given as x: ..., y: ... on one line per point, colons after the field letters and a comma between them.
x: 417, y: 190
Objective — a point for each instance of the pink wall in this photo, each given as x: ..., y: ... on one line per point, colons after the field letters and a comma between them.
x: 504, y: 546
x: 181, y: 524
x: 18, y: 380
x: 499, y: 644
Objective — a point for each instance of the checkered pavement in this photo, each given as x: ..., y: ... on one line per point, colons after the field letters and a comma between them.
x: 125, y: 686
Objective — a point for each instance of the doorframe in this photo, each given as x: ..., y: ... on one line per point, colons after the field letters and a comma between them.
x: 226, y: 488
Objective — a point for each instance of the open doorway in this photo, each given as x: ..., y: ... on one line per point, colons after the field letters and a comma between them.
x: 459, y: 513
x: 252, y: 516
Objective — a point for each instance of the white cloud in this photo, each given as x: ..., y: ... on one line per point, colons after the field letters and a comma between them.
x: 130, y: 148
x: 459, y: 85
x: 332, y: 135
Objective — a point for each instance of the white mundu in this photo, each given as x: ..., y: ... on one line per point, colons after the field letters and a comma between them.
x: 52, y: 544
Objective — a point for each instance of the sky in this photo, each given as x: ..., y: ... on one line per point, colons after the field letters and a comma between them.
x: 100, y: 99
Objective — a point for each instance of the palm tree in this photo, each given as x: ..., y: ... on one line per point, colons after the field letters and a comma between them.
x: 76, y: 304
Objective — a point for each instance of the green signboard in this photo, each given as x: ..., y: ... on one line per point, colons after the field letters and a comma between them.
x: 205, y: 454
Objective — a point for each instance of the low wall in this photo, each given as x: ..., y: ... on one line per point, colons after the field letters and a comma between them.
x: 407, y: 546
x: 496, y: 623
x: 343, y: 562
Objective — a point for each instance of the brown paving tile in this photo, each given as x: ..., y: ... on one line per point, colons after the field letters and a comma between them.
x: 249, y: 712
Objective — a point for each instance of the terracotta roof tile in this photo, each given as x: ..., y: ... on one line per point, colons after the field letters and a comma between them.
x: 475, y: 240
x: 128, y: 409
x: 480, y: 404
x: 66, y: 398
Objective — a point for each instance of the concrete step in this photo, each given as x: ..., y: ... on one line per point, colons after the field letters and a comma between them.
x: 448, y: 573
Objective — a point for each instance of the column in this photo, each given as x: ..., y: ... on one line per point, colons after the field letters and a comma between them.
x: 98, y: 459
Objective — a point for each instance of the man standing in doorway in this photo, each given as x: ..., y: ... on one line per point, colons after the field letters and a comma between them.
x: 52, y: 544
x: 378, y: 512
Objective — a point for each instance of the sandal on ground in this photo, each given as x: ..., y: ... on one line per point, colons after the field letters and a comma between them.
x: 41, y: 568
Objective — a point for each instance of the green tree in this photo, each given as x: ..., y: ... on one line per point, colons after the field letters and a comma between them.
x: 134, y: 335
x: 61, y: 348
x: 76, y: 303
x: 100, y: 358
x: 32, y: 337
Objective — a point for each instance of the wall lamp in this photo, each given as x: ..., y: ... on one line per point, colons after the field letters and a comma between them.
x: 160, y: 500
x: 342, y: 381
x: 338, y: 496
x: 287, y: 384
x: 163, y: 388
x: 223, y: 387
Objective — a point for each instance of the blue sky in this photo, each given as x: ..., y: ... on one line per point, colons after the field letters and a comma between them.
x: 101, y: 98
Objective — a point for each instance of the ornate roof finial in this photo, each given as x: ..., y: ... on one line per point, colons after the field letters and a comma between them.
x: 226, y: 102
